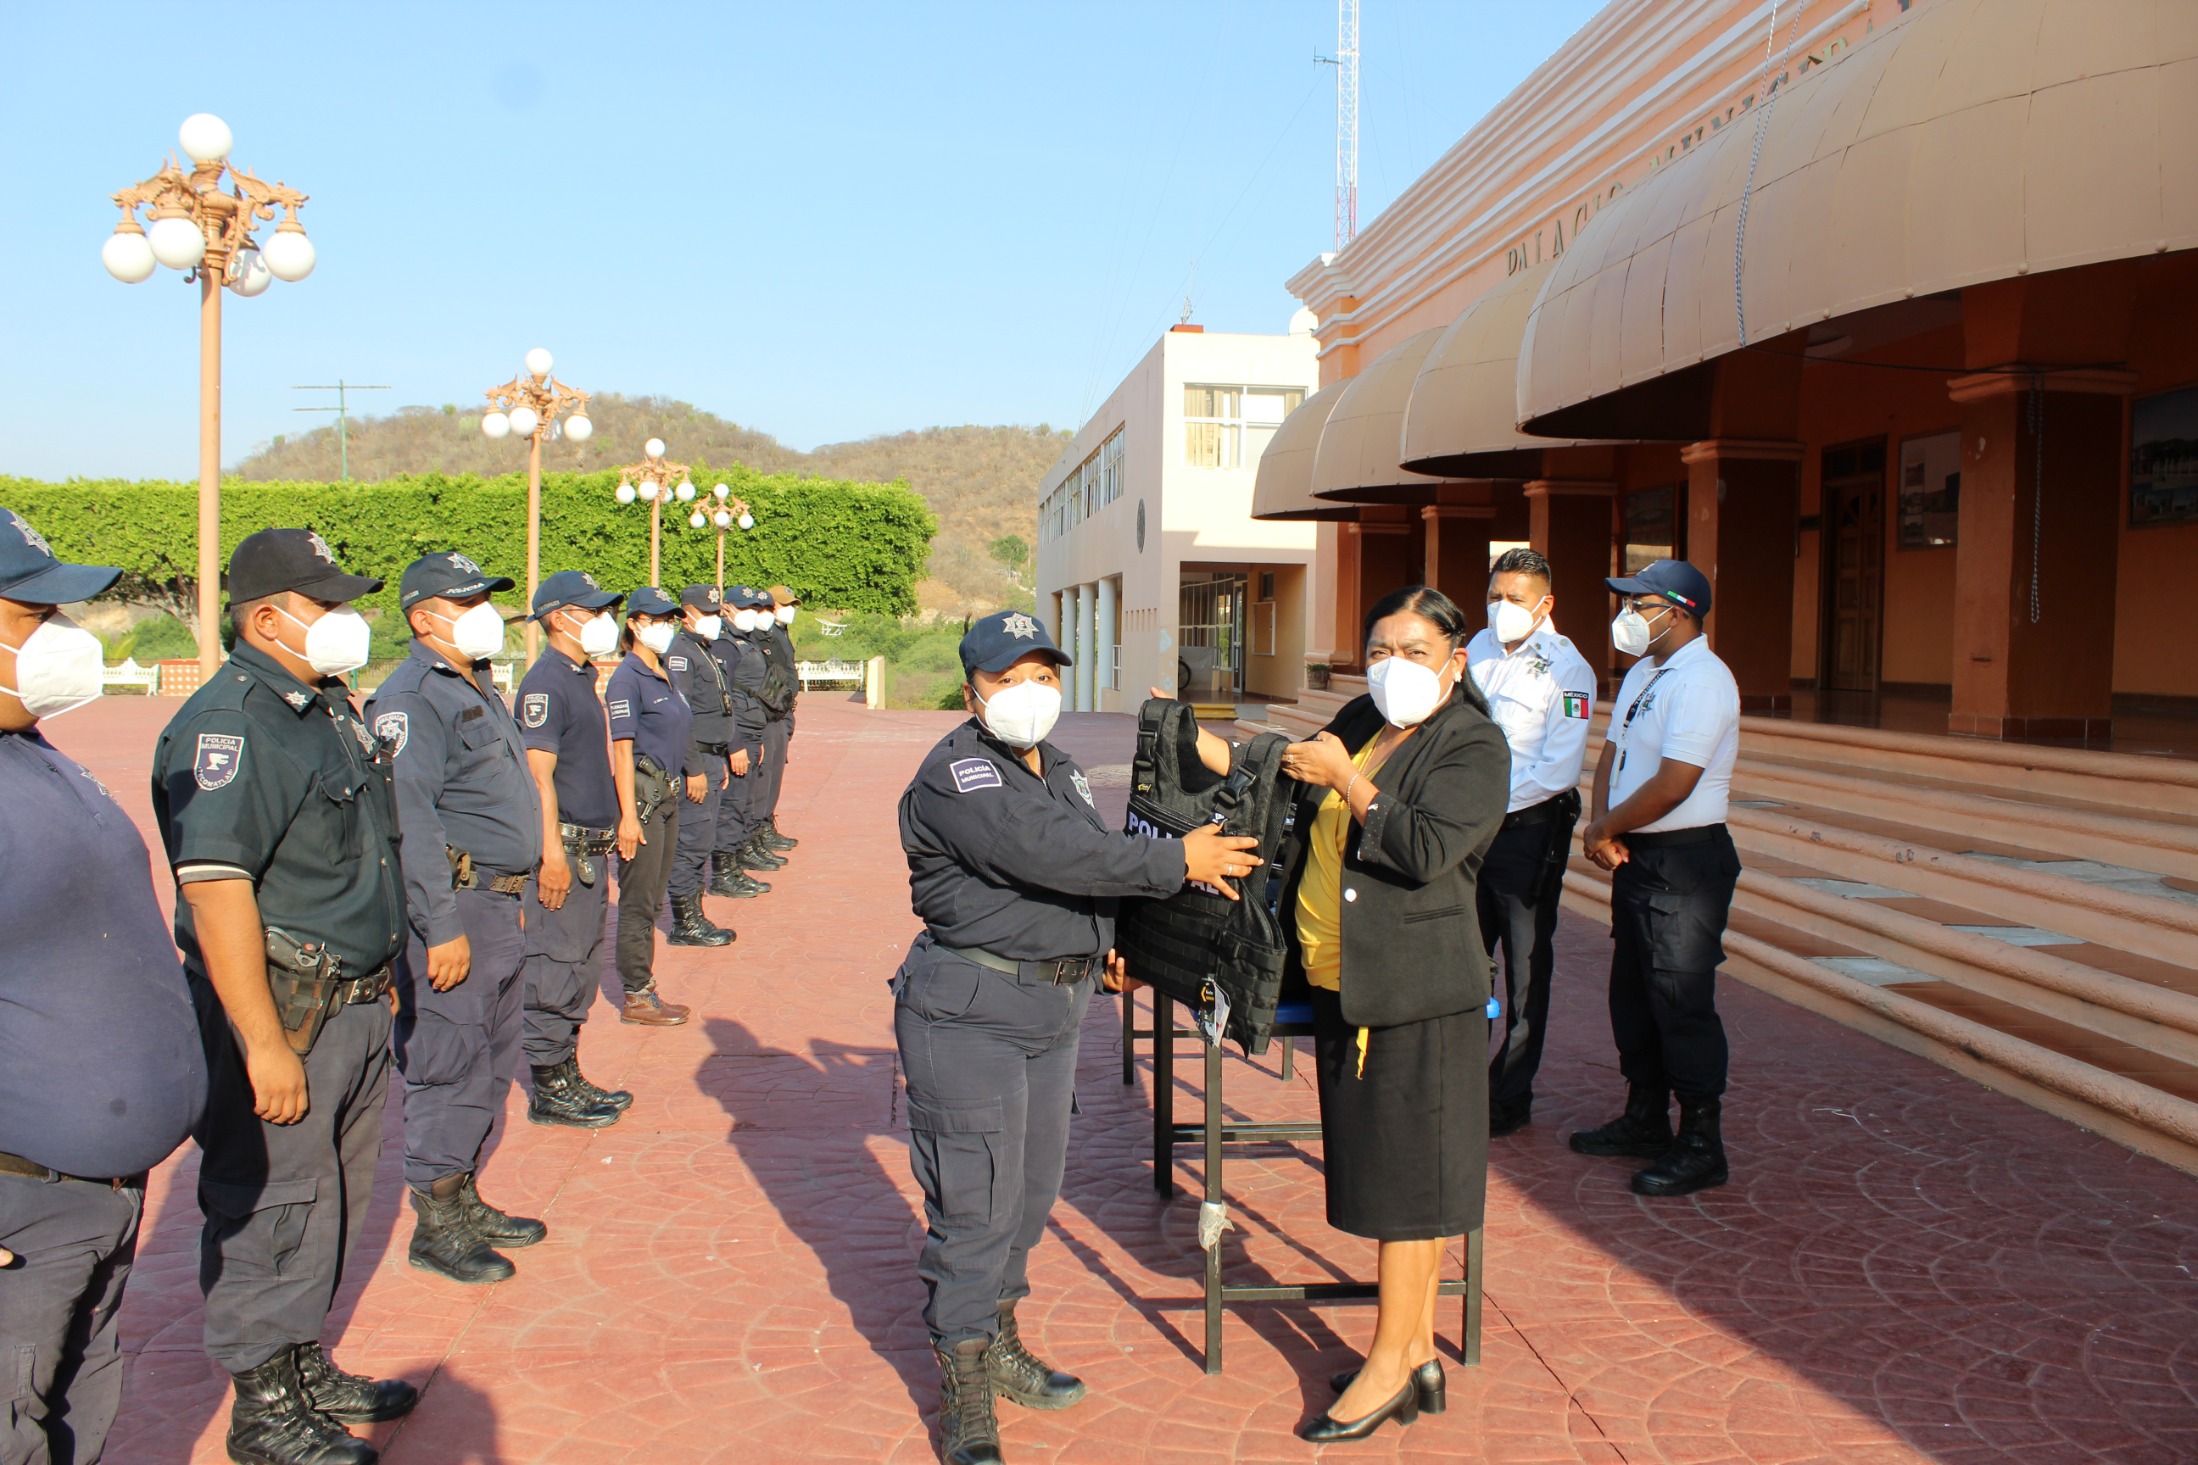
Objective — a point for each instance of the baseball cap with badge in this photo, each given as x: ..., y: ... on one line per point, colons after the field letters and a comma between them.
x: 997, y: 641
x: 702, y: 597
x: 448, y: 574
x: 650, y: 600
x: 275, y: 560
x: 31, y: 574
x: 1673, y: 580
x: 59, y: 666
x: 572, y: 587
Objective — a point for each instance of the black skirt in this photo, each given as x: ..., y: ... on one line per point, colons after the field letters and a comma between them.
x: 1406, y: 1143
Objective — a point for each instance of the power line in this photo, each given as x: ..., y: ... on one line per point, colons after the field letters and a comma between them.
x: 343, y: 416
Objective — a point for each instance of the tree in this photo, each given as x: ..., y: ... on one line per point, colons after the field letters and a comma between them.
x: 1010, y: 550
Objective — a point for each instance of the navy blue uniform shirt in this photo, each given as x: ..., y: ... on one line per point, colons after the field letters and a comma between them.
x: 101, y: 1070
x: 263, y: 777
x: 647, y: 709
x: 1019, y: 865
x: 560, y: 713
x: 462, y: 783
x: 702, y: 682
x: 744, y: 666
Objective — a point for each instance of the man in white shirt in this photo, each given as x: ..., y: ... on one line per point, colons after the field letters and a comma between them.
x: 1541, y: 692
x: 1659, y: 827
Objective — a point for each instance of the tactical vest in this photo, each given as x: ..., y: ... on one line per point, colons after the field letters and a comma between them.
x: 1197, y: 941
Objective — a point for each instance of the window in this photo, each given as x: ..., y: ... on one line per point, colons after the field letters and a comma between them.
x: 1084, y: 490
x: 1230, y: 426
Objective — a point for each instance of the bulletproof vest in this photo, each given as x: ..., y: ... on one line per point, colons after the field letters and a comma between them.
x: 1197, y: 942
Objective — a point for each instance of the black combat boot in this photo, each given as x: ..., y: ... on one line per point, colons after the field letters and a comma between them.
x: 350, y: 1397
x: 1644, y: 1130
x: 560, y: 1098
x: 444, y: 1243
x: 772, y: 839
x: 729, y: 879
x: 617, y: 1099
x: 494, y: 1226
x: 1696, y: 1159
x: 969, y: 1430
x: 273, y: 1423
x: 1020, y: 1375
x: 690, y: 927
x: 753, y: 855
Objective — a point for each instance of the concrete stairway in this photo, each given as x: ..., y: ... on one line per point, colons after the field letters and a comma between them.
x: 2026, y: 916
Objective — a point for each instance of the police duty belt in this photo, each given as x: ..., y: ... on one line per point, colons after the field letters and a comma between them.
x: 583, y: 845
x: 465, y: 876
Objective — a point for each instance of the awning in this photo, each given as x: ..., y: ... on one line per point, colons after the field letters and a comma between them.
x: 1284, y: 487
x: 1358, y: 447
x: 1458, y: 422
x: 1976, y: 140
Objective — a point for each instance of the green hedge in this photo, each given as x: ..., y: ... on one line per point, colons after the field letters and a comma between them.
x: 851, y: 546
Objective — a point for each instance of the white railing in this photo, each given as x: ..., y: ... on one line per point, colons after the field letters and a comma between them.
x: 129, y: 674
x: 831, y: 628
x: 835, y: 672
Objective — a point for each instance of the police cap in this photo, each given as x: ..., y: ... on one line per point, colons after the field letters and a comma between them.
x: 30, y: 572
x: 997, y: 641
x: 275, y: 560
x: 571, y: 587
x: 448, y: 574
x: 702, y: 597
x: 650, y: 600
x: 746, y: 597
x: 782, y: 596
x: 1673, y: 580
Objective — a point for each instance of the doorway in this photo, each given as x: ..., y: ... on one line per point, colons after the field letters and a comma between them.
x: 1209, y: 637
x: 1854, y: 547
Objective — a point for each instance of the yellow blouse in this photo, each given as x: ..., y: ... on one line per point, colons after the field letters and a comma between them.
x: 1320, y: 888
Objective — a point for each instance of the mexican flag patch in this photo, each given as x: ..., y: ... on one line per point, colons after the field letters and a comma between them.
x: 1577, y: 704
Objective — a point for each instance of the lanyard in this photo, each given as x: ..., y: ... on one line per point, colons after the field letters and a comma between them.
x: 1626, y: 727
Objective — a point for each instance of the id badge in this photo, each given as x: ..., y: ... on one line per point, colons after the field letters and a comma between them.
x: 1213, y: 1013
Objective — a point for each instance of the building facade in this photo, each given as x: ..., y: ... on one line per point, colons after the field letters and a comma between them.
x: 1150, y: 567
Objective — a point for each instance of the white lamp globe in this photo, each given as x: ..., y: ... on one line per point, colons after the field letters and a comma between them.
x: 495, y: 425
x: 524, y: 421
x: 650, y: 488
x: 205, y: 138
x: 747, y: 521
x: 177, y: 243
x: 695, y: 520
x: 128, y: 257
x: 251, y: 276
x: 653, y: 448
x: 686, y: 490
x: 538, y: 362
x: 578, y: 429
x: 722, y: 492
x: 290, y: 254
x: 625, y: 493
x: 723, y: 518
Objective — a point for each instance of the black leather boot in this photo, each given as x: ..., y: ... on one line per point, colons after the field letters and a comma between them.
x: 753, y: 856
x: 1020, y: 1375
x: 690, y: 927
x: 617, y: 1099
x: 969, y: 1429
x: 443, y: 1243
x: 1643, y: 1130
x: 729, y: 879
x: 273, y: 1423
x: 494, y: 1226
x: 1696, y: 1159
x: 772, y: 839
x: 560, y: 1098
x: 350, y: 1397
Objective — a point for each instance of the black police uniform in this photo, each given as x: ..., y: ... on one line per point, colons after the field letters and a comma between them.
x: 648, y: 711
x: 263, y: 777
x: 464, y: 797
x: 778, y: 730
x: 101, y: 1072
x: 744, y: 663
x: 701, y: 680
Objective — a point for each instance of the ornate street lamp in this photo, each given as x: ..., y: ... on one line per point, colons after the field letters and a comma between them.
x: 728, y: 511
x: 199, y: 229
x: 653, y: 480
x: 528, y: 406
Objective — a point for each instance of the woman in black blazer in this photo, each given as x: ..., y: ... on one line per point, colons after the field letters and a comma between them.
x: 1402, y: 794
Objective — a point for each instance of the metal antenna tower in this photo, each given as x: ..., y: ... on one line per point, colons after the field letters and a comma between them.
x: 1345, y: 61
x: 342, y: 409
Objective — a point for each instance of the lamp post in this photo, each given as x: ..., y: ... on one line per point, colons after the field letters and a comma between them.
x: 728, y: 511
x: 529, y: 405
x: 199, y: 229
x: 652, y: 481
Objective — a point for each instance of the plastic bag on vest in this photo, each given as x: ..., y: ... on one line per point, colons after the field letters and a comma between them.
x: 1179, y: 943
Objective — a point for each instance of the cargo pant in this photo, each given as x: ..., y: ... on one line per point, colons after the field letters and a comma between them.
x: 284, y: 1203
x: 697, y: 831
x: 564, y: 963
x: 736, y: 819
x: 60, y: 1351
x: 1668, y: 904
x: 459, y: 1050
x: 641, y: 896
x: 776, y: 734
x: 1518, y: 915
x: 990, y: 1061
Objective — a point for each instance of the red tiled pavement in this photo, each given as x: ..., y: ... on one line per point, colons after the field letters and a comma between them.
x: 1906, y: 1267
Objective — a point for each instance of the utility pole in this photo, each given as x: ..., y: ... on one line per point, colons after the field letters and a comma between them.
x: 343, y: 416
x: 1345, y: 61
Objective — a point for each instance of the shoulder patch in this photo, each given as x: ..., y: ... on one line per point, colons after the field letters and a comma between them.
x: 534, y: 708
x: 1578, y: 704
x: 971, y: 774
x: 621, y: 708
x: 1083, y: 785
x: 219, y: 757
x: 395, y: 729
x: 676, y: 663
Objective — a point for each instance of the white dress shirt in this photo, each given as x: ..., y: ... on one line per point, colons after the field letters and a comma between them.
x: 1686, y: 707
x: 1542, y: 695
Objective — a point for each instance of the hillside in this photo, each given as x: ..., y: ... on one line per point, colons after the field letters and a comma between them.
x: 981, y: 482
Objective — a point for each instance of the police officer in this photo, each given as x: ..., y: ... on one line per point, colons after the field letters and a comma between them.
x: 568, y: 752
x: 276, y: 807
x: 472, y: 831
x: 1016, y: 879
x: 744, y: 662
x: 1541, y: 692
x: 776, y: 621
x: 649, y: 724
x: 101, y: 1073
x: 1659, y: 827
x: 705, y: 766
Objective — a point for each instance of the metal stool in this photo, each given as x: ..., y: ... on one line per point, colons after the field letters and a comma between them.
x: 1131, y: 1032
x: 1292, y: 1020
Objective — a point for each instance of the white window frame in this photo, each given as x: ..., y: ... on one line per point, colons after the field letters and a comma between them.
x: 1233, y: 427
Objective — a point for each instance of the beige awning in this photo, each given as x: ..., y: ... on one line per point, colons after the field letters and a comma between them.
x: 1358, y: 447
x: 1975, y: 140
x: 1284, y: 487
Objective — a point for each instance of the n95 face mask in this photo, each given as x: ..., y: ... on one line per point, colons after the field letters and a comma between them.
x: 478, y: 632
x: 1021, y: 716
x: 58, y: 668
x: 657, y: 638
x: 1405, y: 693
x: 599, y: 637
x: 1509, y: 621
x: 744, y: 620
x: 708, y: 627
x: 337, y: 644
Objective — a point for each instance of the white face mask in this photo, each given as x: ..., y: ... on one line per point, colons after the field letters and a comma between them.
x: 744, y: 620
x: 337, y: 644
x: 657, y: 638
x: 1021, y: 716
x: 598, y: 634
x: 58, y: 668
x: 785, y: 614
x: 1509, y: 621
x: 476, y: 633
x: 709, y: 627
x: 1630, y: 632
x: 1405, y: 693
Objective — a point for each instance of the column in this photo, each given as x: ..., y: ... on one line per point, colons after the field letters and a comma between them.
x: 1743, y: 507
x: 1086, y: 602
x: 1108, y: 636
x: 1457, y: 550
x: 1569, y: 525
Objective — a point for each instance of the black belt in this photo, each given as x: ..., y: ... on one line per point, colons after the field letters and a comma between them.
x: 32, y: 1170
x: 1560, y: 806
x: 589, y: 841
x: 466, y: 875
x: 1061, y: 972
x: 369, y: 988
x: 1670, y: 838
x: 715, y: 750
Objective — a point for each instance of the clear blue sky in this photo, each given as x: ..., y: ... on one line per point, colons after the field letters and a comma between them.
x: 824, y: 220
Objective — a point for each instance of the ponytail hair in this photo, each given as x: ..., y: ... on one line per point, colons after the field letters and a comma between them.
x: 1439, y: 611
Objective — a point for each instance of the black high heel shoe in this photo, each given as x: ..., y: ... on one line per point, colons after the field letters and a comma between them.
x: 1428, y: 1377
x: 1404, y: 1408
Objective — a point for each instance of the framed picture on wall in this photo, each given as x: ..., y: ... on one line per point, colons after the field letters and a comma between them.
x: 1930, y: 491
x: 2163, y: 459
